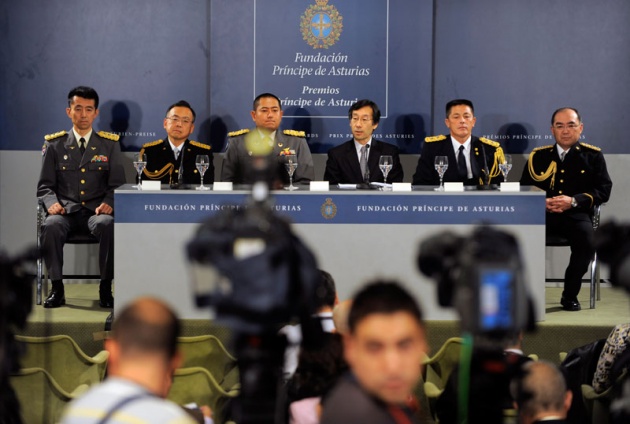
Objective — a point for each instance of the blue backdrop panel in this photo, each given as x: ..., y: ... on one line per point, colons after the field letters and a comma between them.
x: 140, y: 56
x: 319, y: 59
x: 520, y: 60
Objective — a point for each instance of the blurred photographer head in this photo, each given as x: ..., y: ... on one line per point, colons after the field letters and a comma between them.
x: 386, y: 342
x: 541, y: 393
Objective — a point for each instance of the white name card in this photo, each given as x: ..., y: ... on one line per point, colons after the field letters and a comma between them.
x: 401, y: 186
x: 151, y: 185
x: 516, y: 186
x: 455, y: 186
x: 222, y: 186
x: 319, y: 186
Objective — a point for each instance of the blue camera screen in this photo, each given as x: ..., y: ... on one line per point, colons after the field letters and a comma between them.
x: 495, y: 299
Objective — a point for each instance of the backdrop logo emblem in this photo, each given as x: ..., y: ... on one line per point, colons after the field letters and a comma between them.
x: 321, y: 25
x: 329, y: 209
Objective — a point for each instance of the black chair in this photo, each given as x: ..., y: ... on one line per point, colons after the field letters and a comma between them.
x: 73, y: 238
x: 558, y: 241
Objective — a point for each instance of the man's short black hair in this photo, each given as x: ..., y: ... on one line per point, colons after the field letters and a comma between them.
x: 85, y: 93
x: 263, y: 95
x: 147, y: 326
x: 382, y: 297
x: 553, y: 117
x: 326, y: 292
x: 458, y: 102
x: 376, y: 113
x: 183, y: 103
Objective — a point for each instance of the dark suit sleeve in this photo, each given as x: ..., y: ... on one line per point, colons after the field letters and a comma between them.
x: 397, y: 174
x: 47, y: 185
x: 332, y: 174
x: 602, y: 185
x: 425, y: 170
x: 526, y: 179
x: 208, y: 177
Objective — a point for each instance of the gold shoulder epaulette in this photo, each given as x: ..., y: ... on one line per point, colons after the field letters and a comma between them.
x: 542, y: 147
x: 51, y: 137
x: 435, y: 138
x: 294, y: 133
x: 237, y: 133
x: 590, y: 146
x: 489, y: 142
x: 109, y: 136
x: 152, y: 143
x: 198, y: 144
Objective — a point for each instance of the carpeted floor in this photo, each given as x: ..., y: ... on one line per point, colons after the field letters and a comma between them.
x: 84, y: 320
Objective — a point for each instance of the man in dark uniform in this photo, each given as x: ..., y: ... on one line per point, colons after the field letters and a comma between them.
x: 172, y: 161
x: 575, y: 177
x: 357, y: 161
x: 266, y: 140
x: 80, y: 170
x: 471, y: 160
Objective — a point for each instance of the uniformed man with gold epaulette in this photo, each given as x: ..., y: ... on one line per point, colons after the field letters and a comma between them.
x: 172, y: 160
x: 80, y: 171
x: 244, y: 144
x: 471, y: 160
x: 576, y: 179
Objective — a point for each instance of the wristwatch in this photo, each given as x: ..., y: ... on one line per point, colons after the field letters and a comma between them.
x: 573, y: 202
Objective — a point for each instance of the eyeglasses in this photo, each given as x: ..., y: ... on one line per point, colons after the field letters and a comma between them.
x: 176, y: 120
x: 363, y: 119
x: 570, y: 126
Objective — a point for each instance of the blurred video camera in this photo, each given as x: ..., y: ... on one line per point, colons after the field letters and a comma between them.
x: 249, y: 267
x: 252, y: 270
x: 482, y: 277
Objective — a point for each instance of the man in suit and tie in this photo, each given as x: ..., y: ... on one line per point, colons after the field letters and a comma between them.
x: 357, y: 161
x: 471, y: 160
x: 266, y: 141
x: 173, y: 160
x: 576, y: 179
x: 80, y: 170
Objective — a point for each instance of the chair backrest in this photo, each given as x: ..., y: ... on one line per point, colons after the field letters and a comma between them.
x: 598, y: 404
x: 64, y: 360
x: 197, y: 385
x: 207, y: 352
x: 42, y: 399
x: 439, y: 366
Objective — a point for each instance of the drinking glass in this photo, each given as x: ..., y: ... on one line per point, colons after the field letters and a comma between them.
x: 139, y: 162
x: 290, y: 162
x: 506, y: 166
x: 203, y: 163
x: 386, y: 163
x: 441, y: 165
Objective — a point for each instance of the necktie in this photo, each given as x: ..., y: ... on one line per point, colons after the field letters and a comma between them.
x: 364, y: 162
x: 461, y: 163
x: 176, y: 153
x: 82, y: 145
x: 562, y: 155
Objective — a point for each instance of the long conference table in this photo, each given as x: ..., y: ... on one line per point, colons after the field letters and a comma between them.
x: 356, y: 235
